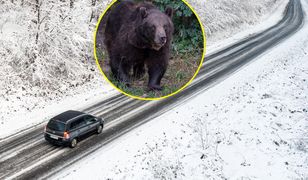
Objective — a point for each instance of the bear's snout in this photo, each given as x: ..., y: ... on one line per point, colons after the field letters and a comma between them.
x: 160, y: 37
x: 163, y: 40
x: 160, y: 40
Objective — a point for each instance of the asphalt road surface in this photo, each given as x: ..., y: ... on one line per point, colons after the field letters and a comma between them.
x: 26, y: 155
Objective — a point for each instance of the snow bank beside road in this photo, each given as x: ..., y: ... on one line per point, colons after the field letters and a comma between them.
x: 251, y: 126
x: 224, y: 18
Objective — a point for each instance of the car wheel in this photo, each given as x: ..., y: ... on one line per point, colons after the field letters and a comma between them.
x: 73, y: 143
x: 99, y: 129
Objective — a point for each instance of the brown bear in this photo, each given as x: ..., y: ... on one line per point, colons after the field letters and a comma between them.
x: 138, y: 34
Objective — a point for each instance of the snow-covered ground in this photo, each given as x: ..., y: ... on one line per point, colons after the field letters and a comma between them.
x: 254, y: 125
x: 233, y: 34
x: 35, y: 92
x: 225, y: 18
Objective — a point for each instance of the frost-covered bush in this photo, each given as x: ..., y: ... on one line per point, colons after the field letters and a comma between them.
x: 47, y: 44
x: 161, y: 166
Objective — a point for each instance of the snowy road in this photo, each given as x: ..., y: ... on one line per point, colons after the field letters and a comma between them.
x: 27, y: 155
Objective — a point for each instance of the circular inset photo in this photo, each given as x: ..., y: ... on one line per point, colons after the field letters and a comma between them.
x: 149, y: 50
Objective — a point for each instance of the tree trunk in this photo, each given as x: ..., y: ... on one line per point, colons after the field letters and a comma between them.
x: 71, y: 4
x: 37, y: 8
x: 93, y: 3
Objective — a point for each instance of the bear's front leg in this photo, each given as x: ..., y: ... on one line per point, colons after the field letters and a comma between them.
x: 156, y: 72
x: 139, y: 70
x: 123, y: 74
x: 120, y: 69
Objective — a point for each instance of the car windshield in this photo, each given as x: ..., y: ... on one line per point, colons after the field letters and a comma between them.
x: 56, y: 125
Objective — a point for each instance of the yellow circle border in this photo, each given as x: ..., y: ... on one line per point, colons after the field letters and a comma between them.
x: 163, y: 97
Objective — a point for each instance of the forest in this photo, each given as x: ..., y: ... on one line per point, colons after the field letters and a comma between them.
x: 47, y: 44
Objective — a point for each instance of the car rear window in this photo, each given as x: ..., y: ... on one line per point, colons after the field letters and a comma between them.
x: 56, y: 125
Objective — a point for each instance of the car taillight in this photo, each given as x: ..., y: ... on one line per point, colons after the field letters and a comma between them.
x: 66, y: 135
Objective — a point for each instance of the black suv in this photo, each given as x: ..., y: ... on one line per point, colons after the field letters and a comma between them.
x: 69, y: 127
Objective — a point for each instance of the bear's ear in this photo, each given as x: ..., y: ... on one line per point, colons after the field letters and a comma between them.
x: 169, y: 12
x: 143, y: 11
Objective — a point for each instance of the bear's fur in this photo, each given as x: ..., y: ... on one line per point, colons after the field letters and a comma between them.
x: 138, y: 34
